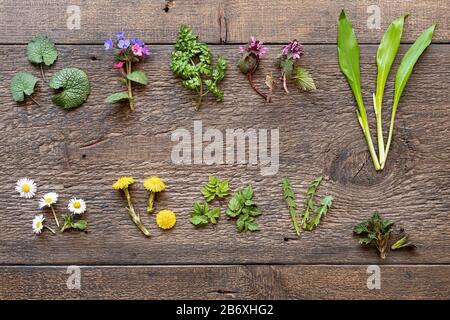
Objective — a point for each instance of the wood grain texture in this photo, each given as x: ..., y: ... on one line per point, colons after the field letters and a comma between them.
x: 226, y: 282
x: 81, y: 152
x: 231, y: 21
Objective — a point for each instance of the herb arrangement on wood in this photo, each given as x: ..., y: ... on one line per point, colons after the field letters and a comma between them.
x: 348, y: 52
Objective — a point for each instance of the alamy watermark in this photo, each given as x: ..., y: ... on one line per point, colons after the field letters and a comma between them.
x: 74, y: 19
x: 74, y: 280
x: 374, y: 20
x: 374, y: 279
x: 253, y: 147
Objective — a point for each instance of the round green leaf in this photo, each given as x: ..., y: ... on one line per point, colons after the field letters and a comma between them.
x: 42, y: 50
x: 75, y: 87
x: 22, y: 84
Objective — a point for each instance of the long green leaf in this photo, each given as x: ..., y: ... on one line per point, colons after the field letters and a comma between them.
x: 348, y: 52
x: 404, y: 72
x: 387, y: 51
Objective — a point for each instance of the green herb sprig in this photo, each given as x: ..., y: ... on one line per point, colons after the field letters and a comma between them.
x: 348, y: 52
x: 289, y: 195
x: 70, y: 223
x: 202, y: 214
x: 377, y: 231
x: 192, y: 62
x: 242, y: 207
x: 215, y: 189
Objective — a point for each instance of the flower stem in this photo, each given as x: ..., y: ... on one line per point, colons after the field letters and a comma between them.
x: 377, y: 108
x: 200, y: 97
x: 54, y: 215
x: 250, y: 80
x: 285, y: 84
x: 135, y: 216
x: 42, y: 72
x: 130, y: 92
x: 51, y: 230
x: 151, y: 200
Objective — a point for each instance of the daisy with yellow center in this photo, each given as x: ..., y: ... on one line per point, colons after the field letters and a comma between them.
x: 166, y: 219
x: 38, y: 224
x: 153, y: 185
x: 77, y: 206
x: 122, y: 184
x: 48, y: 200
x: 26, y: 188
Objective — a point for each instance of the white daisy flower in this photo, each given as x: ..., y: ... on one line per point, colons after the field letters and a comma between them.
x: 77, y: 206
x: 48, y: 199
x: 26, y: 188
x: 38, y: 224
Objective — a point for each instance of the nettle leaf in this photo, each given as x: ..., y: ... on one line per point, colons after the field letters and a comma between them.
x: 117, y: 97
x: 42, y: 50
x: 75, y: 87
x: 22, y: 84
x: 138, y: 76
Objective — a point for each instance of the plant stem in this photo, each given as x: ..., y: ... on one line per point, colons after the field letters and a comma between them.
x: 130, y: 92
x: 51, y: 230
x: 135, y: 216
x: 250, y: 80
x: 37, y: 103
x: 151, y: 200
x: 200, y: 97
x: 285, y: 84
x: 377, y: 107
x: 42, y: 72
x: 54, y: 215
x: 391, y: 129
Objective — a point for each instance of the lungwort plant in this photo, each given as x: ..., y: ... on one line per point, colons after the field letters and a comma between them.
x: 348, y: 51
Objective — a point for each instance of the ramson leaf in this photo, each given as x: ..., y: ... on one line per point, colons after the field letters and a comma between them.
x: 22, y: 84
x: 75, y: 87
x: 42, y: 50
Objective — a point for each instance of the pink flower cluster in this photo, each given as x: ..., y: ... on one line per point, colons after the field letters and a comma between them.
x: 293, y: 50
x: 255, y: 47
x: 127, y: 49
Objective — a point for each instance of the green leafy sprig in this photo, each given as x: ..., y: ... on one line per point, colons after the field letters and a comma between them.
x: 215, y: 189
x: 242, y: 207
x: 202, y: 214
x: 192, y: 62
x: 348, y: 52
x: 70, y: 223
x: 377, y: 231
x: 289, y: 196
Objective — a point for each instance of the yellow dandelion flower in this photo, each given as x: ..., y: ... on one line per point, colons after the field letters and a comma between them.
x: 154, y: 184
x: 123, y: 183
x: 166, y: 219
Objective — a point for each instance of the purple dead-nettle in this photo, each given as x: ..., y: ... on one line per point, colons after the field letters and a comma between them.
x: 251, y: 56
x: 288, y: 62
x: 126, y: 53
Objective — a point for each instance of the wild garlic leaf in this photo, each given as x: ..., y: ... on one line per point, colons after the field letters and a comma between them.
x: 41, y: 49
x: 304, y: 80
x: 117, y: 97
x: 75, y: 87
x: 138, y: 76
x: 22, y: 84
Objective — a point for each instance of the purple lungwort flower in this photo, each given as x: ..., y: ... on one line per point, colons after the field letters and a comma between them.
x: 123, y: 44
x: 119, y: 35
x: 293, y: 50
x: 146, y: 50
x: 137, y: 41
x: 109, y: 44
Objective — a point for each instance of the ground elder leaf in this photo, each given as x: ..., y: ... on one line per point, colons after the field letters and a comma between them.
x: 75, y: 87
x: 22, y: 84
x: 41, y: 49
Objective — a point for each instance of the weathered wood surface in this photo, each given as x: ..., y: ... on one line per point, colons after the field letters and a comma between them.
x: 81, y: 152
x: 231, y: 21
x: 227, y: 282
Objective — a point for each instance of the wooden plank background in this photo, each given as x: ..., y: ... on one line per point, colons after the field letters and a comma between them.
x: 81, y: 152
